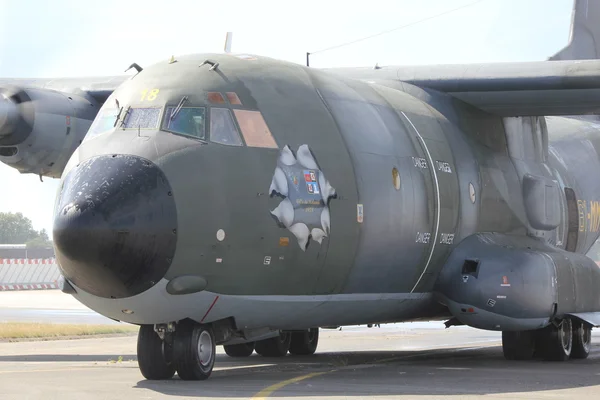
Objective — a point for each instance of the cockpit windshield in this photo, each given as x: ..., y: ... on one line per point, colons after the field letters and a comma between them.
x: 189, y: 121
x: 142, y: 118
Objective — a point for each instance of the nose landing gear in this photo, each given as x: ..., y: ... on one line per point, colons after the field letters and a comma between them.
x: 190, y: 351
x: 195, y: 350
x: 155, y: 356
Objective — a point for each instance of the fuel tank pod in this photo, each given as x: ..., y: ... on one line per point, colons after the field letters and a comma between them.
x: 497, y: 282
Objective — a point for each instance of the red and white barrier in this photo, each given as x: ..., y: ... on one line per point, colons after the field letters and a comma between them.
x: 27, y: 261
x: 38, y: 286
x: 28, y: 274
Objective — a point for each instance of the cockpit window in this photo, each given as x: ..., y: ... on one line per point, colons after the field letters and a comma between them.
x: 222, y: 127
x: 188, y: 121
x: 254, y: 128
x: 104, y: 121
x: 142, y: 118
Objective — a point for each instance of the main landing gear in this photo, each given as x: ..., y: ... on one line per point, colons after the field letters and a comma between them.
x: 190, y: 351
x: 294, y: 342
x: 567, y: 338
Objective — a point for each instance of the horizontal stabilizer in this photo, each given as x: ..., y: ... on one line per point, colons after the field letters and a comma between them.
x: 505, y: 89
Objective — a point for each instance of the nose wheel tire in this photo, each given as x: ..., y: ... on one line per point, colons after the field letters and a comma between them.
x: 239, y: 350
x: 582, y: 340
x: 304, y: 343
x: 277, y: 346
x: 196, y: 352
x: 555, y: 343
x: 154, y: 355
x: 518, y: 345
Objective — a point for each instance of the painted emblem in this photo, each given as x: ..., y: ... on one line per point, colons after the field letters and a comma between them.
x: 306, y: 193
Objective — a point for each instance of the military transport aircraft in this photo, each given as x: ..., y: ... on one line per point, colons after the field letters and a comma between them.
x: 237, y: 200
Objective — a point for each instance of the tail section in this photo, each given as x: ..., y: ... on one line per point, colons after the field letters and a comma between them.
x: 584, y: 41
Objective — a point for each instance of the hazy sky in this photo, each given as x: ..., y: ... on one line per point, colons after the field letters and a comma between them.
x: 61, y: 38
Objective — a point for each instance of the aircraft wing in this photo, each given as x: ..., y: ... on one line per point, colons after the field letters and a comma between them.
x: 505, y: 89
x: 97, y: 87
x: 42, y: 121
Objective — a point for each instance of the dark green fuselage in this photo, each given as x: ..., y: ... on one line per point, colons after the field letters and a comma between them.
x: 414, y: 173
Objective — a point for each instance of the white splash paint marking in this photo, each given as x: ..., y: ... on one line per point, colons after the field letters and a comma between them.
x: 437, y: 192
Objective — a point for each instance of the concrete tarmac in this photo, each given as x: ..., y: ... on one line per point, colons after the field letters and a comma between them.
x: 46, y: 306
x: 355, y: 363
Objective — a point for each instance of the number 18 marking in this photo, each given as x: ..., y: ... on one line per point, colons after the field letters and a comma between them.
x: 151, y: 95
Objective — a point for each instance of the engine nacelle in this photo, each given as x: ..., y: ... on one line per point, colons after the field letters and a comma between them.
x: 41, y: 128
x: 503, y: 283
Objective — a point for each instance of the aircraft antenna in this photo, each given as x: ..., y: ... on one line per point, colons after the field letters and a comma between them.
x: 387, y: 31
x: 136, y: 66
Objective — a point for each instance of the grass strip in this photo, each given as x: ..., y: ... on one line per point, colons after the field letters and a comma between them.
x: 24, y: 330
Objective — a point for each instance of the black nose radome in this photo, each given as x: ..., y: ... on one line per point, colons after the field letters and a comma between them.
x: 115, y: 226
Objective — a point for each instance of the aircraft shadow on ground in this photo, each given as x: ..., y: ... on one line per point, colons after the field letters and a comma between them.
x: 67, y: 358
x: 386, y: 373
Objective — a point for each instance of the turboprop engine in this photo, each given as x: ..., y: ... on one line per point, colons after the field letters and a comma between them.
x: 40, y: 128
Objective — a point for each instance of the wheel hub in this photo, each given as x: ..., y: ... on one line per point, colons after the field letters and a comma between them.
x: 205, y: 350
x: 565, y: 335
x: 586, y: 337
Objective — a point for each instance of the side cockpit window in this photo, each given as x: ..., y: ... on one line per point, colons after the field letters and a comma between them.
x: 222, y: 127
x: 104, y: 121
x: 254, y: 128
x: 189, y: 121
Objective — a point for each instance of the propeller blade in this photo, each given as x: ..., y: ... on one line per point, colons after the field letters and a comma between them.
x: 9, y: 114
x: 14, y: 93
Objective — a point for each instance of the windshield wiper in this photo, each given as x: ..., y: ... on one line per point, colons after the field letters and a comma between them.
x: 178, y: 108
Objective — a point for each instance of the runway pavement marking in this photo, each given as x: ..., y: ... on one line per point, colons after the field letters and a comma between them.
x: 244, y: 366
x: 263, y: 394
